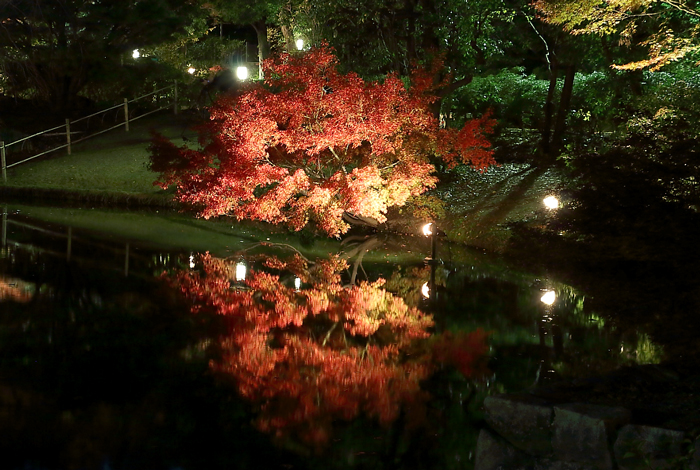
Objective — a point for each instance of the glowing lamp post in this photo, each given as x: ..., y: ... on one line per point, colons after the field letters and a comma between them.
x: 300, y: 44
x: 242, y: 73
x: 430, y: 231
x: 551, y: 202
x: 135, y: 54
x: 548, y: 297
x: 191, y: 70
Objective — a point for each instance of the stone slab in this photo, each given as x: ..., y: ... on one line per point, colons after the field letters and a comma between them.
x: 583, y: 433
x: 640, y: 446
x: 495, y: 453
x: 523, y: 420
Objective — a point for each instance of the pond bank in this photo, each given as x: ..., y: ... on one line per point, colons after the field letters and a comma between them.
x: 635, y: 417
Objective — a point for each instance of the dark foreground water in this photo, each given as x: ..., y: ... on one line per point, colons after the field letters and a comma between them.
x: 121, y: 351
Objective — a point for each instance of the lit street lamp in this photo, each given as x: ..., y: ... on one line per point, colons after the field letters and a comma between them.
x: 300, y: 44
x: 548, y: 297
x: 242, y: 73
x: 551, y: 202
x: 135, y: 54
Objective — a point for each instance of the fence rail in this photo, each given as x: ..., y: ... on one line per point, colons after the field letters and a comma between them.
x: 69, y: 141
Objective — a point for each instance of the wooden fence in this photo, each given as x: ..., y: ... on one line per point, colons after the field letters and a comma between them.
x: 65, y: 129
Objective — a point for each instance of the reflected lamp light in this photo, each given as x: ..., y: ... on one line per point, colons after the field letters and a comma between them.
x: 425, y: 290
x: 240, y: 271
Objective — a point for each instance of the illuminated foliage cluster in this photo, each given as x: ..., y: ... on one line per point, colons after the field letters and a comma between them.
x: 312, y: 144
x: 624, y: 17
x: 310, y: 356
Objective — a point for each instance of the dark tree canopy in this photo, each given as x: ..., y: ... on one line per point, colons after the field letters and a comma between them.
x: 50, y: 49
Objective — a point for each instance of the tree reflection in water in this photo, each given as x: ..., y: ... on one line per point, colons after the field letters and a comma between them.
x: 310, y: 356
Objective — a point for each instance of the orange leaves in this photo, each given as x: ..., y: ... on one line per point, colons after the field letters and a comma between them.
x: 313, y: 144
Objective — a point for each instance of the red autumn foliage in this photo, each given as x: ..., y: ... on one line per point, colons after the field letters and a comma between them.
x: 311, y: 144
x: 15, y: 290
x: 325, y: 352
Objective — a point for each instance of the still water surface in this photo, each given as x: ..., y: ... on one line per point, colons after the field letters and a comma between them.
x: 128, y: 349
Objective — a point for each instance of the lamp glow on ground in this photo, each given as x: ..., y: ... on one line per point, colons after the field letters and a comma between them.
x: 300, y: 44
x: 135, y: 54
x: 548, y: 297
x: 242, y: 73
x: 551, y: 202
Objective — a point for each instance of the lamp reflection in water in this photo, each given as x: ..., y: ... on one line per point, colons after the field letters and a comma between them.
x: 430, y: 230
x: 549, y: 326
x: 425, y: 290
x: 240, y: 271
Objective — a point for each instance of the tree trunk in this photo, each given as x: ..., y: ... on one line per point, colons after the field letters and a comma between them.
x: 263, y: 44
x: 564, y: 104
x: 549, y: 110
x: 289, y: 42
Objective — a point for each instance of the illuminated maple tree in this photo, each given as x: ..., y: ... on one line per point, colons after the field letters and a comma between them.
x: 315, y: 145
x: 321, y: 352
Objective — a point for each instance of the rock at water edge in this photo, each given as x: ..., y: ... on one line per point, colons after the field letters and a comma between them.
x: 583, y: 433
x: 525, y: 421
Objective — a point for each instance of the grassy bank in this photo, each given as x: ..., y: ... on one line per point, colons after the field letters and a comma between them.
x: 115, y: 162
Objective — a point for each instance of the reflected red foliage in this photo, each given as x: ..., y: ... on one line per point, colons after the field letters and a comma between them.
x: 16, y: 290
x: 325, y: 352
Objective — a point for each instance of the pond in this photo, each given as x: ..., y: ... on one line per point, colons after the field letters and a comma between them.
x: 147, y: 340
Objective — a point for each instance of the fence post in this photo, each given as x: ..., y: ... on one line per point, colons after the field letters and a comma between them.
x: 3, y: 162
x: 68, y: 134
x: 126, y: 114
x: 69, y: 244
x: 126, y: 261
x: 175, y: 100
x: 4, y: 226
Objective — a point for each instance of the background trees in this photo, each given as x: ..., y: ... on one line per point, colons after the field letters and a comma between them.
x: 668, y: 29
x: 315, y: 145
x: 51, y: 49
